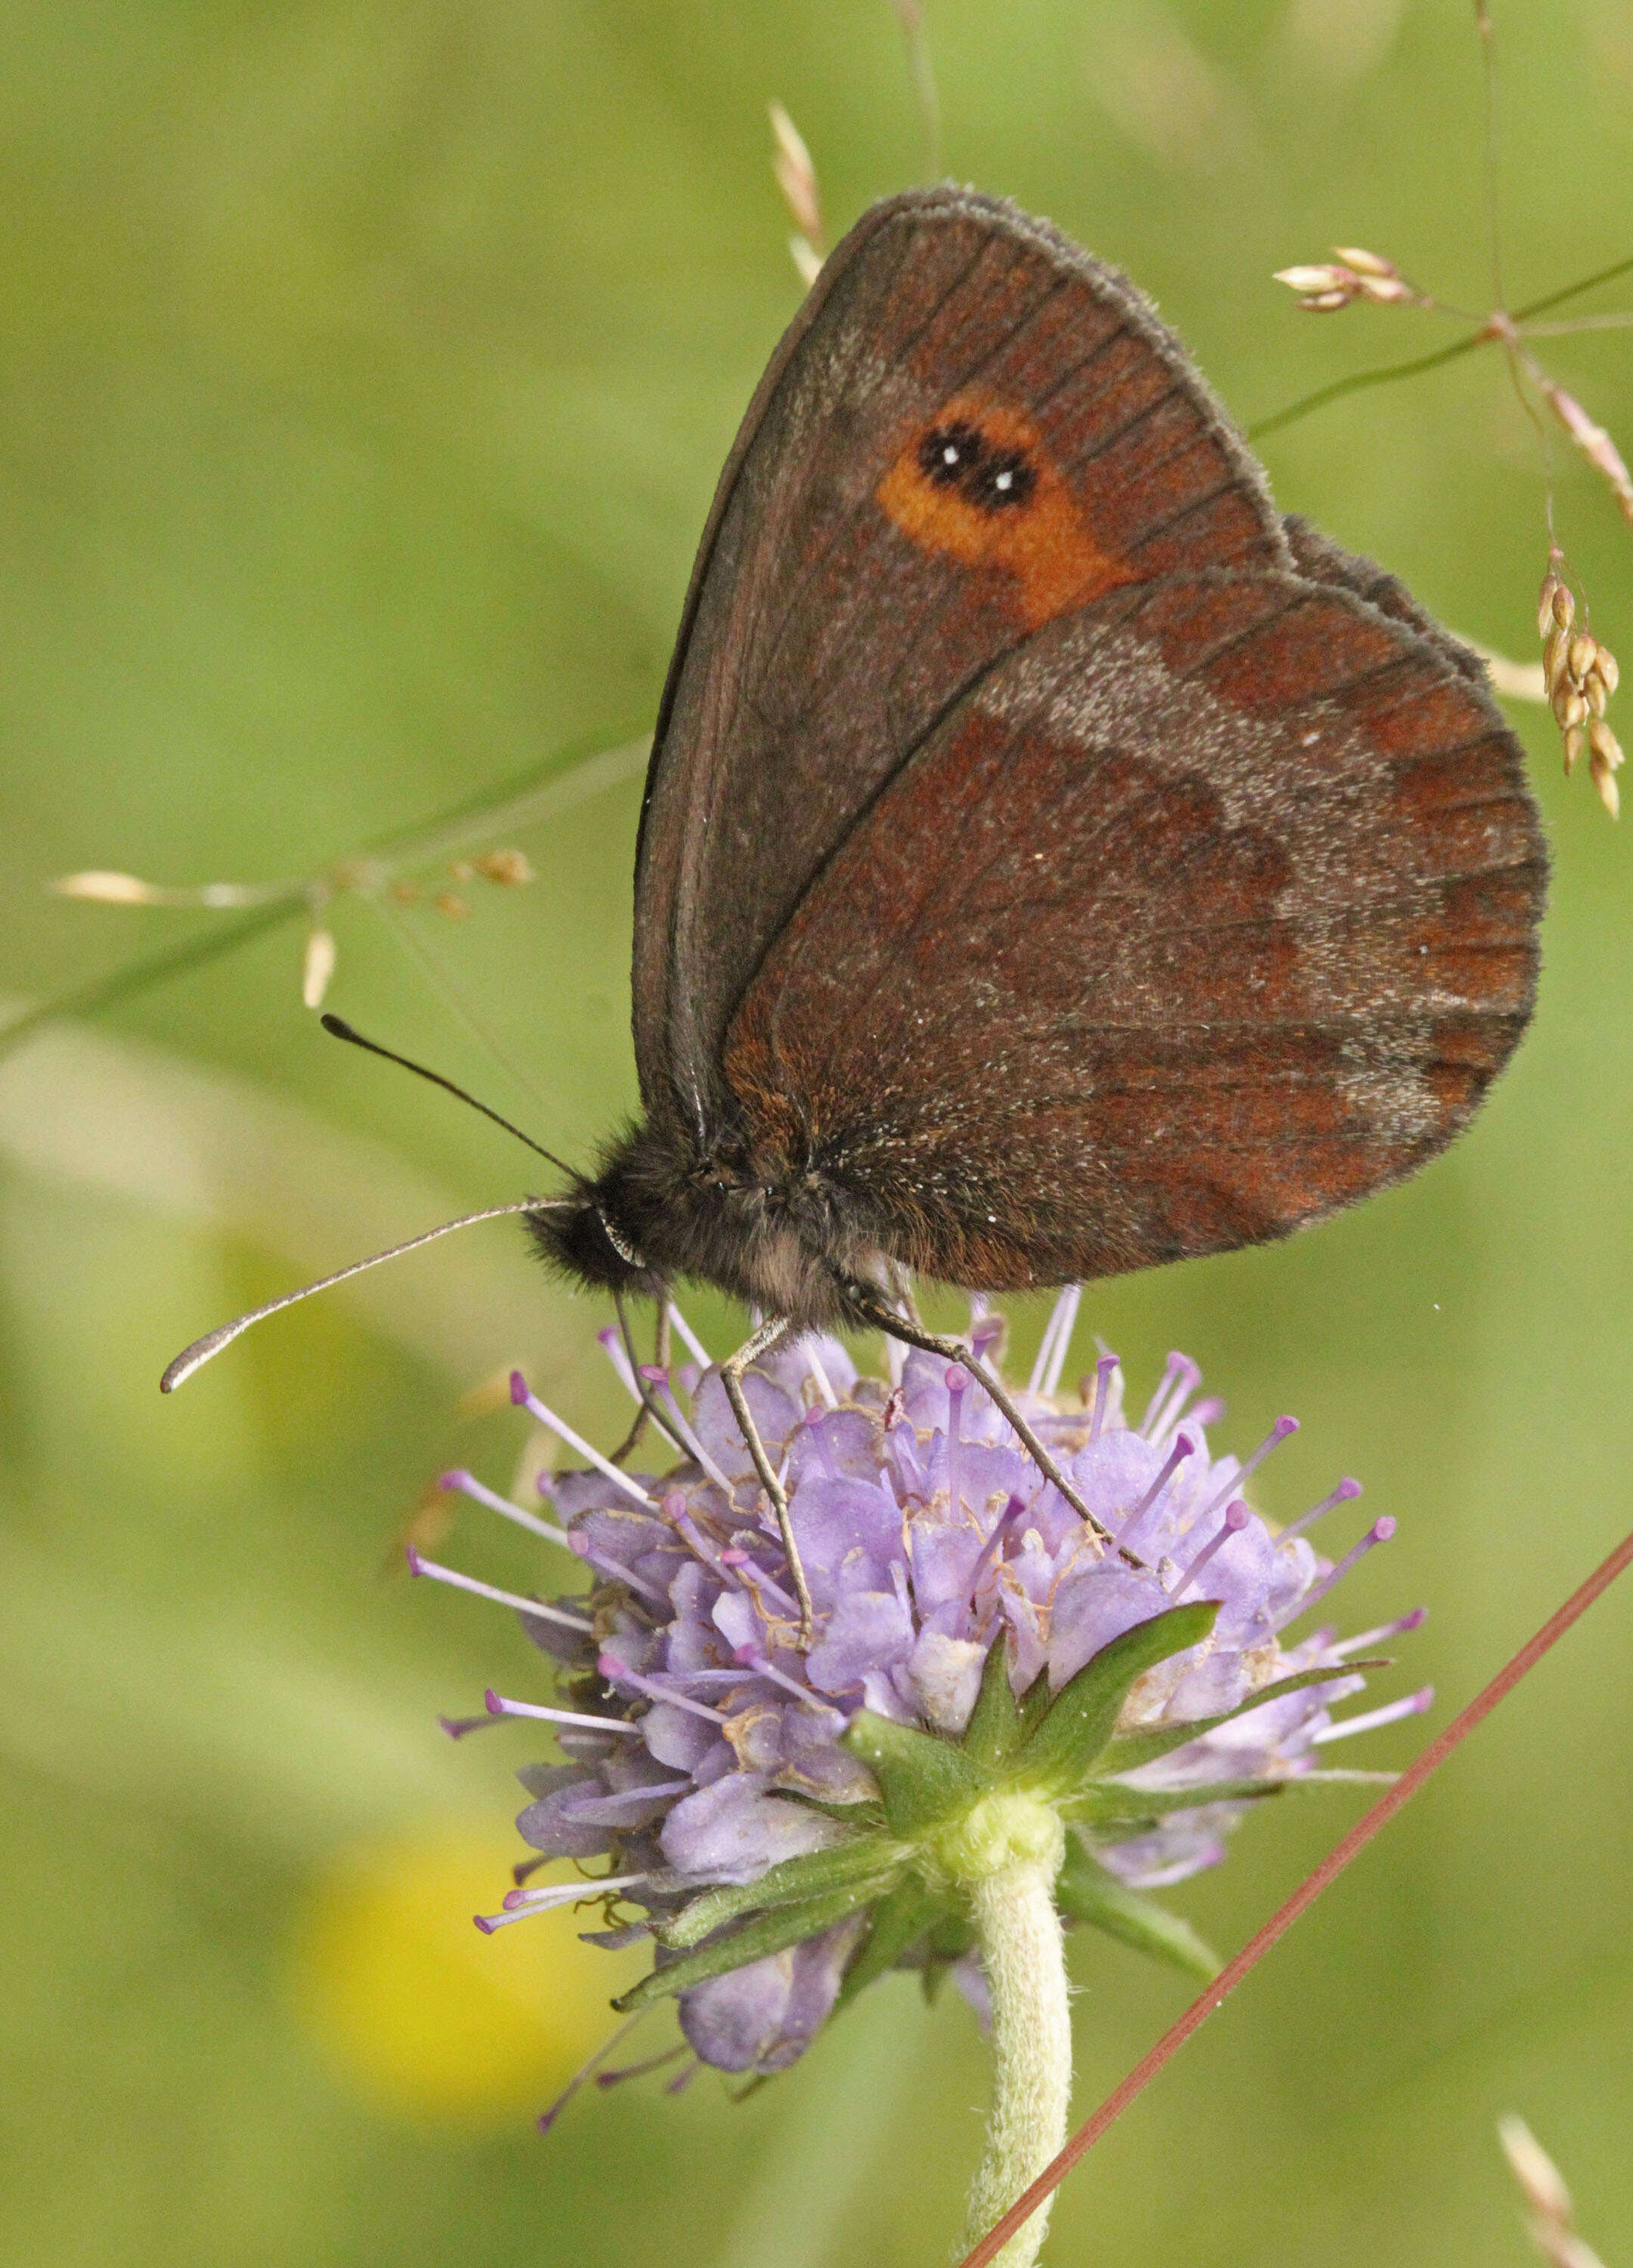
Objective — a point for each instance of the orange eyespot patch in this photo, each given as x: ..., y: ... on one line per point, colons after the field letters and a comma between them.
x: 974, y: 483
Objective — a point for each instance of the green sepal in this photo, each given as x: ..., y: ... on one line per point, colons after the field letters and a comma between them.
x: 1127, y: 1752
x: 1085, y: 1892
x: 1107, y: 1805
x: 909, y: 1912
x: 923, y: 1779
x: 1083, y: 1717
x: 952, y: 1933
x: 868, y: 1815
x: 1000, y: 1725
x: 950, y: 1939
x: 813, y: 1875
x: 1034, y: 1704
x: 768, y: 1933
x: 995, y: 1728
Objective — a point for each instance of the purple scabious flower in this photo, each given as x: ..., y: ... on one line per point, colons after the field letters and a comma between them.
x: 785, y: 1825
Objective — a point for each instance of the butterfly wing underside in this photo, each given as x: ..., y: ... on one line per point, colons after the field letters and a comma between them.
x: 1076, y: 865
x: 845, y: 597
x: 1211, y: 909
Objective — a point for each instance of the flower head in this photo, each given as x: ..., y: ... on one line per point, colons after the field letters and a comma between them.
x: 987, y: 1677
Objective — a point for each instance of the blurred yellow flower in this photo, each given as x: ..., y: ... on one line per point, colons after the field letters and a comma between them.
x: 421, y: 2014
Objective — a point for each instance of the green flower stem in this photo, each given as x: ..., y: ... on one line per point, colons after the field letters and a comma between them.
x: 1019, y: 1933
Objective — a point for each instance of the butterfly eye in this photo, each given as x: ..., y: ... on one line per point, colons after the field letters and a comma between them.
x: 949, y: 454
x: 1003, y: 479
x: 625, y: 1250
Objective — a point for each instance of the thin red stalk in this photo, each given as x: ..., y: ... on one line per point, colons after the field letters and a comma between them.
x: 1336, y: 1859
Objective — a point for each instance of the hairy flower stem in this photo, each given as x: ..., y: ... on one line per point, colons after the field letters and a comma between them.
x: 1021, y: 1947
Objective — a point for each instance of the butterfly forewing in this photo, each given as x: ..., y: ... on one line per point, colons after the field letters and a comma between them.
x: 972, y: 430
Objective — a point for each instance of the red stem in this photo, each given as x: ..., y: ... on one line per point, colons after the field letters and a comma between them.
x: 1336, y: 1859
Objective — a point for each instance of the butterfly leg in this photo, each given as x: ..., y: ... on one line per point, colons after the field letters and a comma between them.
x: 914, y: 1334
x: 660, y: 1357
x: 761, y: 1342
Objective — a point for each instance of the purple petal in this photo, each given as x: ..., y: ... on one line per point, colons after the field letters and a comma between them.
x: 763, y: 2016
x: 971, y: 1979
x: 943, y: 1676
x: 1094, y: 1606
x: 550, y: 1824
x: 868, y: 1629
x: 734, y: 1830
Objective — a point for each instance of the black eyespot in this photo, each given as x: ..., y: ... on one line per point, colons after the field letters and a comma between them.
x: 948, y: 453
x: 1002, y: 480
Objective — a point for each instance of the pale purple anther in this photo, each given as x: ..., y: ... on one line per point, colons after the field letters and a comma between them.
x: 1346, y: 1492
x: 1282, y: 1431
x: 457, y: 1727
x: 619, y: 1673
x: 1380, y: 1532
x: 420, y: 1565
x: 1104, y: 1371
x: 1183, y: 1447
x: 1236, y: 1518
x: 467, y: 1484
x: 1414, y: 1705
x: 1179, y: 1381
x: 612, y: 1343
x: 523, y: 1395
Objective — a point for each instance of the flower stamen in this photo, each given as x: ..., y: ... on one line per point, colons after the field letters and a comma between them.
x: 1066, y: 1321
x: 499, y: 1704
x: 656, y: 1375
x: 467, y: 1484
x: 1182, y: 1449
x: 689, y: 1339
x: 613, y: 1345
x: 1282, y: 1429
x: 1346, y: 1491
x: 520, y: 1905
x: 1398, y: 1628
x: 1104, y: 1370
x: 417, y: 1565
x: 523, y: 1395
x: 619, y: 1673
x: 1380, y: 1532
x: 1370, y: 1720
x: 1179, y: 1367
x: 457, y: 1728
x: 1236, y: 1518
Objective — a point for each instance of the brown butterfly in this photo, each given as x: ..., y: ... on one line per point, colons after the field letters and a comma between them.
x: 1053, y: 860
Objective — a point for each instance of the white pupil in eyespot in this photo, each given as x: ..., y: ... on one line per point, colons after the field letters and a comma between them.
x: 1004, y: 481
x: 950, y: 455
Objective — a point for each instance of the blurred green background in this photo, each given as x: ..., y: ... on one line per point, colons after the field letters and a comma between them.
x: 367, y: 372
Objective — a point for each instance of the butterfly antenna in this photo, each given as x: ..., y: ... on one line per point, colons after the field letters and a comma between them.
x: 202, y: 1350
x: 339, y: 1029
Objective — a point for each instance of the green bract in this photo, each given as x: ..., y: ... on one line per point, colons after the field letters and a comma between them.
x: 951, y: 1813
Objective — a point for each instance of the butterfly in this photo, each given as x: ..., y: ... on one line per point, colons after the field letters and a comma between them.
x: 1053, y: 860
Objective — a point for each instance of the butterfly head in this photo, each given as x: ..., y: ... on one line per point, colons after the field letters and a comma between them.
x: 582, y: 1237
x: 764, y: 1229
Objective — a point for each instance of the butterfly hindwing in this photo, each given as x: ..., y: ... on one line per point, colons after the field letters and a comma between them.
x: 1210, y: 908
